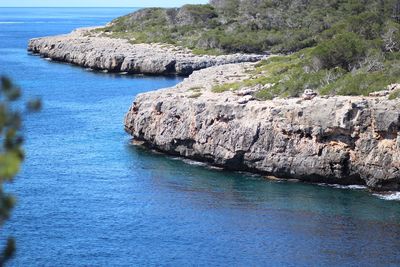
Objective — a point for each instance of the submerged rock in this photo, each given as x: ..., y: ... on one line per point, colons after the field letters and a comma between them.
x: 340, y: 140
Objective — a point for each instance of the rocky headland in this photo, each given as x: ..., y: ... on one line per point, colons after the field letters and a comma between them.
x: 338, y: 139
x: 84, y: 49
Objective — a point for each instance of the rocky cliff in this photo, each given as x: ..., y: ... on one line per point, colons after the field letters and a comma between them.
x: 118, y: 55
x: 345, y: 140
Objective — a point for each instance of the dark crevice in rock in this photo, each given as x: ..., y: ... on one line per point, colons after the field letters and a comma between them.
x: 300, y: 133
x: 346, y: 165
x: 170, y: 68
x: 237, y: 162
x: 188, y: 143
x: 339, y: 137
x: 256, y: 137
x: 320, y: 150
x: 387, y: 185
x: 158, y: 107
x: 223, y: 118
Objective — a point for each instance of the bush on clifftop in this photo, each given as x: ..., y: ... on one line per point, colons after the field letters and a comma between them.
x: 350, y: 44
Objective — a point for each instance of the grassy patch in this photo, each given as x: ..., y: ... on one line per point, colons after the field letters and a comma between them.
x: 196, y: 88
x: 226, y: 87
x: 211, y: 52
x: 195, y: 95
x: 394, y: 95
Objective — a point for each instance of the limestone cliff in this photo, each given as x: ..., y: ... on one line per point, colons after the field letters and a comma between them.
x: 118, y: 55
x: 345, y: 140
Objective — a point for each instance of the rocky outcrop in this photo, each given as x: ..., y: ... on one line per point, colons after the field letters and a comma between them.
x: 345, y: 140
x: 118, y: 55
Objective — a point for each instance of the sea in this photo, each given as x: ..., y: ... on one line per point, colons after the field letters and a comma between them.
x: 87, y: 197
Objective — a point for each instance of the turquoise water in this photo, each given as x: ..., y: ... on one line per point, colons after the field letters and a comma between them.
x: 88, y: 198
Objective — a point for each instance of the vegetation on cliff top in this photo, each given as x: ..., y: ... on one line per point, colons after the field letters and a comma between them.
x: 334, y: 46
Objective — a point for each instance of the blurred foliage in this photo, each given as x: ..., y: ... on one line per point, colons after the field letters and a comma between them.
x: 11, y: 152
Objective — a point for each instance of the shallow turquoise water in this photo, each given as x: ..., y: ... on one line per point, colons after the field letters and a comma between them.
x: 88, y: 198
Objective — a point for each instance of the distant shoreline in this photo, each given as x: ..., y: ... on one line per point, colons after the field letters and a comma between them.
x: 118, y: 55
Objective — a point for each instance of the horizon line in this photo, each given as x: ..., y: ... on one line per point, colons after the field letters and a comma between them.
x: 70, y: 7
x: 87, y: 6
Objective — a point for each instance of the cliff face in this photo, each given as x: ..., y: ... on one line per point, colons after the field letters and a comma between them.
x: 346, y: 140
x: 118, y: 55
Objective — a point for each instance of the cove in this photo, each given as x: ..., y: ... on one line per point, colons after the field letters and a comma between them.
x: 87, y: 197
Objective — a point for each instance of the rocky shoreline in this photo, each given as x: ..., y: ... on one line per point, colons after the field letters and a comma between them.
x: 118, y: 55
x: 335, y: 140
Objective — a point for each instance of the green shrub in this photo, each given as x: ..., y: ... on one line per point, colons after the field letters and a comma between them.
x: 201, y: 10
x: 394, y: 95
x: 360, y: 83
x: 368, y: 25
x: 344, y: 50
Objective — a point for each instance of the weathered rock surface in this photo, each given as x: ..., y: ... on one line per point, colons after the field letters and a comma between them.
x: 345, y: 140
x: 118, y: 55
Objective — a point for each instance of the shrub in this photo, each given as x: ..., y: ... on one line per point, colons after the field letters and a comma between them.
x: 367, y: 24
x: 360, y: 83
x: 391, y: 37
x: 344, y: 50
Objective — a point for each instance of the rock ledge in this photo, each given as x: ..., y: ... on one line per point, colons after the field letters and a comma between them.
x: 343, y: 140
x: 118, y: 55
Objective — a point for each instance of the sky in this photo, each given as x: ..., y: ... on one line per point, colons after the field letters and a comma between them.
x: 98, y: 3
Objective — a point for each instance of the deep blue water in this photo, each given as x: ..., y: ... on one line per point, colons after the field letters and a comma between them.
x: 88, y: 198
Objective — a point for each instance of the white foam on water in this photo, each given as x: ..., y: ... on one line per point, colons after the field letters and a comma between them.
x: 12, y: 22
x: 198, y: 163
x: 189, y: 161
x: 353, y: 187
x: 389, y: 196
x: 338, y: 186
x: 211, y: 167
x: 194, y: 163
